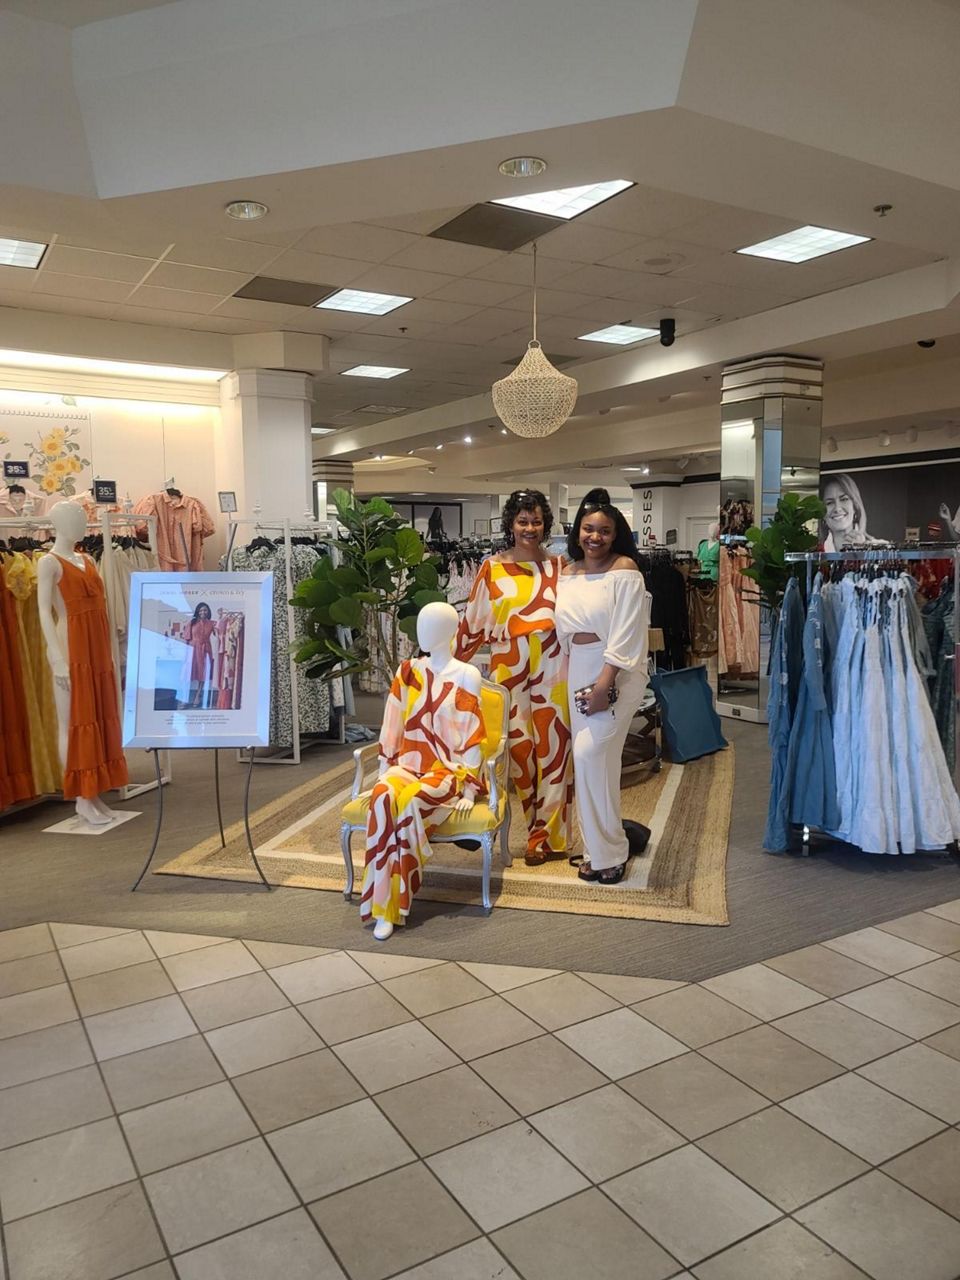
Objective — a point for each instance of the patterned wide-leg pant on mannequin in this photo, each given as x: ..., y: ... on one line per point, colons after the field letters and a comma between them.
x: 404, y: 809
x: 534, y: 669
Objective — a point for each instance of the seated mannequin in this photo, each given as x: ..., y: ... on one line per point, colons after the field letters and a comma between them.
x: 429, y: 767
x: 73, y: 619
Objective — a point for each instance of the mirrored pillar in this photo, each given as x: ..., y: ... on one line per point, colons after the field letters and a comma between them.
x: 770, y: 420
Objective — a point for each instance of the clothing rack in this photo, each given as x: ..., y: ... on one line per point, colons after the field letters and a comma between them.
x: 288, y: 528
x: 892, y: 555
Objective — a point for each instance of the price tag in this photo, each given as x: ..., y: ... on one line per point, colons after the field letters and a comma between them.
x: 105, y: 491
x: 16, y: 470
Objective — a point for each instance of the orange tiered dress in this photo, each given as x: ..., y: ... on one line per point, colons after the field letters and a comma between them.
x: 95, y: 760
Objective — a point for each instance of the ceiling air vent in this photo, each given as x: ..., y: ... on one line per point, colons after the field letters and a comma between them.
x: 291, y: 293
x: 496, y: 226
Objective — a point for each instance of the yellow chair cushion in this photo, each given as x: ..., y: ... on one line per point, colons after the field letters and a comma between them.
x: 492, y: 707
x: 480, y: 818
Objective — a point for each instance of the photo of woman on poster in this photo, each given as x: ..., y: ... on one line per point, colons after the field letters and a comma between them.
x: 200, y: 633
x: 845, y: 521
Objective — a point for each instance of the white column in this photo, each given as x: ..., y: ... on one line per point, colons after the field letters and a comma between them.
x: 263, y: 448
x: 656, y: 508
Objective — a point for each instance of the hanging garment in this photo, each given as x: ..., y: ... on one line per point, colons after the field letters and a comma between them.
x: 20, y: 574
x: 182, y: 525
x: 430, y: 750
x: 511, y: 608
x: 95, y: 760
x: 782, y: 695
x: 614, y: 606
x: 708, y: 553
x: 811, y: 776
x: 702, y: 610
x: 16, y: 778
x: 313, y: 696
x: 668, y: 611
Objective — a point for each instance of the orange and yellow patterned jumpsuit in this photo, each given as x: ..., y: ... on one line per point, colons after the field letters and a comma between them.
x: 511, y: 607
x: 430, y: 746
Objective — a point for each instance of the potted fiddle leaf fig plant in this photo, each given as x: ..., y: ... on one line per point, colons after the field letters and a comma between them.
x: 790, y: 530
x: 383, y: 579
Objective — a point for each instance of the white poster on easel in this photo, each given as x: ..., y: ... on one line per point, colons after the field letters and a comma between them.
x: 198, y: 660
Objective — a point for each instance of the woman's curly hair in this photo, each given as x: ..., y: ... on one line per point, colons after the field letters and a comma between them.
x: 525, y: 500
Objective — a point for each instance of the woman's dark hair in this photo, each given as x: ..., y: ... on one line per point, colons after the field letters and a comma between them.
x: 202, y: 605
x: 597, y: 502
x: 525, y: 500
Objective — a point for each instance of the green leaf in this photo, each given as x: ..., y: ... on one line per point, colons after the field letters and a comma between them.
x: 426, y: 577
x: 347, y: 611
x: 379, y: 506
x: 409, y: 627
x: 347, y: 579
x: 377, y: 554
x: 422, y: 598
x: 409, y: 546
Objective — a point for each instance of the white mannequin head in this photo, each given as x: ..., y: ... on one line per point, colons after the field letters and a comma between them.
x: 69, y: 520
x: 436, y: 628
x: 713, y: 534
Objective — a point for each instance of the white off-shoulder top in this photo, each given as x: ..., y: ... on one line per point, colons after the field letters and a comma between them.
x: 615, y: 606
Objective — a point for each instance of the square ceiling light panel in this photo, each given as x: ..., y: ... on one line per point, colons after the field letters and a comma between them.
x: 362, y: 303
x: 620, y: 335
x: 373, y: 371
x: 569, y: 202
x: 21, y: 253
x: 803, y: 244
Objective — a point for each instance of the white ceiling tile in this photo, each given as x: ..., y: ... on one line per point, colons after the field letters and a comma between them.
x: 485, y: 293
x: 48, y: 302
x: 648, y: 211
x: 431, y: 311
x: 405, y: 281
x: 447, y: 256
x: 492, y: 323
x: 173, y: 275
x: 726, y: 301
x: 282, y: 238
x: 727, y: 228
x: 316, y: 268
x: 581, y: 241
x: 145, y: 244
x: 660, y: 256
x: 550, y: 302
x: 333, y: 322
x: 358, y: 240
x: 655, y: 291
x: 247, y: 309
x: 172, y: 300
x: 517, y: 268
x: 152, y: 315
x: 67, y: 260
x: 82, y: 287
x: 19, y: 279
x: 601, y: 312
x: 224, y: 253
x: 601, y: 282
x: 382, y: 326
x: 420, y: 223
x: 362, y: 344
x: 224, y: 324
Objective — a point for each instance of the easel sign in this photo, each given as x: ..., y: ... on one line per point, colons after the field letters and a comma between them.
x: 198, y: 660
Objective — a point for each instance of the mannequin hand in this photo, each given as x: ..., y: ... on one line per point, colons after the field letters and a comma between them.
x: 466, y: 801
x: 599, y: 700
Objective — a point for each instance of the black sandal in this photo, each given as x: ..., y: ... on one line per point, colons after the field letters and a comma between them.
x: 609, y: 875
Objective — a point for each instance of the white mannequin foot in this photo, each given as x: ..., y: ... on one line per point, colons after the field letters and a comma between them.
x: 382, y: 930
x: 101, y: 807
x: 87, y: 810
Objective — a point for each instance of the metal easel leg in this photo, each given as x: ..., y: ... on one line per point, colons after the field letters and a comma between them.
x: 156, y: 832
x: 246, y: 821
x: 216, y: 785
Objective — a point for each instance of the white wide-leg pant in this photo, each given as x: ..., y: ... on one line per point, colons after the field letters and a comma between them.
x: 597, y: 750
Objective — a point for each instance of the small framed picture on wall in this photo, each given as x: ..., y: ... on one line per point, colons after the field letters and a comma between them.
x: 228, y: 501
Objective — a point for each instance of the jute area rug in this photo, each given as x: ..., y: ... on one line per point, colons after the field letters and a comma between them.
x: 681, y: 877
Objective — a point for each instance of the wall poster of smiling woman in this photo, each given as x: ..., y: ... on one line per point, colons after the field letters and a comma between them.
x: 909, y: 498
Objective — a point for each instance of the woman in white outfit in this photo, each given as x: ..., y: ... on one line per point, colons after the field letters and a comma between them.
x: 602, y: 619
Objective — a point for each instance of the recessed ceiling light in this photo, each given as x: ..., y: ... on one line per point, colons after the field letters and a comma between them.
x: 504, y: 431
x: 373, y: 371
x: 21, y: 253
x: 621, y: 335
x: 523, y: 167
x: 322, y: 431
x: 644, y: 471
x: 246, y: 210
x: 803, y: 244
x: 468, y: 439
x: 570, y: 201
x: 361, y: 302
x: 126, y: 368
x: 385, y: 410
x: 439, y: 447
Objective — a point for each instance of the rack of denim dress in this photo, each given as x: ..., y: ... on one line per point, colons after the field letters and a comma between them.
x: 855, y: 749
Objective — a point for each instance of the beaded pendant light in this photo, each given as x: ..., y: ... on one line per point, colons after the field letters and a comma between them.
x: 536, y: 399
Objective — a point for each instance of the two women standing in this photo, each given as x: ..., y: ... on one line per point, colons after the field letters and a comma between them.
x: 557, y: 628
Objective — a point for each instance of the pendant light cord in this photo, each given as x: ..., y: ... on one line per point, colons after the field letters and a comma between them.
x: 534, y: 290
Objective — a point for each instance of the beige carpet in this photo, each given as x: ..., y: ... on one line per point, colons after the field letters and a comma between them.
x: 681, y: 877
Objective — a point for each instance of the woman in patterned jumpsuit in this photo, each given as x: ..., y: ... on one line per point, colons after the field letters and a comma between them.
x: 511, y: 608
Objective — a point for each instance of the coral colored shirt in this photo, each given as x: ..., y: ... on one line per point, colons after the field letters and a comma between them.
x: 182, y: 525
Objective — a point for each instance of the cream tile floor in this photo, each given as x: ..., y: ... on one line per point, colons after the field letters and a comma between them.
x: 181, y: 1106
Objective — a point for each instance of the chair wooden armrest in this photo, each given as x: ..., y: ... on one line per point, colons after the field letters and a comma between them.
x: 360, y: 758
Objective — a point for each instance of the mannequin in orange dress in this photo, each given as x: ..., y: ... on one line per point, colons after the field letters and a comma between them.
x: 73, y: 619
